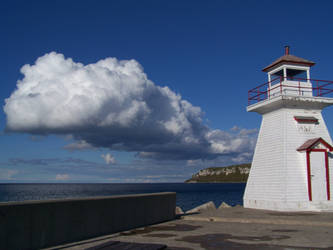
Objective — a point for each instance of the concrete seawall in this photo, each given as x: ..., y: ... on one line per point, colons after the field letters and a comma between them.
x: 37, y: 224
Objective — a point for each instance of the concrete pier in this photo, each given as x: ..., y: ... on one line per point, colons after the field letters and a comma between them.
x: 229, y: 228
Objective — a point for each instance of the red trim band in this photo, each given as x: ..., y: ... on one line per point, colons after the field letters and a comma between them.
x: 309, y: 175
x: 327, y: 177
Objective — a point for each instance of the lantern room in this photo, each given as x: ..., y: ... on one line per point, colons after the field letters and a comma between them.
x: 289, y: 75
x: 289, y: 67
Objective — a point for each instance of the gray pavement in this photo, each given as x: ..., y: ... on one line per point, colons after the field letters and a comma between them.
x: 231, y: 228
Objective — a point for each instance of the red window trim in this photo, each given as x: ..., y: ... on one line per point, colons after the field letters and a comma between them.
x: 306, y: 120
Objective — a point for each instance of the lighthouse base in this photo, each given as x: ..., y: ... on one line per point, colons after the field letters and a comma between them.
x: 290, y: 206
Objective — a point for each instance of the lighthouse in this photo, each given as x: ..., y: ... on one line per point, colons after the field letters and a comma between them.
x: 292, y: 167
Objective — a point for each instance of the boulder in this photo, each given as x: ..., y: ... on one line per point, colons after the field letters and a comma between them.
x: 224, y: 205
x: 204, y: 207
x: 179, y: 211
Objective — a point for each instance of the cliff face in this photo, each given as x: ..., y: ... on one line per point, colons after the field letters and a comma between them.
x: 234, y: 173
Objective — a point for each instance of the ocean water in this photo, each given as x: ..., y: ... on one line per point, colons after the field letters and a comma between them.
x: 189, y: 195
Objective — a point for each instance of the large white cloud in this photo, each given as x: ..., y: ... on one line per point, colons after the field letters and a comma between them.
x: 112, y: 104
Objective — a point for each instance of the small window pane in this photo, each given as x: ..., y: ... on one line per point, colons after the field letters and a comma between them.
x: 277, y: 75
x: 295, y: 74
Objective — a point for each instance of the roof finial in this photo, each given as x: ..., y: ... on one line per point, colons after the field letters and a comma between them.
x: 286, y: 49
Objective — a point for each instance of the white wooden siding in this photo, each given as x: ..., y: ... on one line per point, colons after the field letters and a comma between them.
x: 278, y: 176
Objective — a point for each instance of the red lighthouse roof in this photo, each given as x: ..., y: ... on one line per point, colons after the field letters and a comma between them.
x: 290, y: 59
x: 309, y: 144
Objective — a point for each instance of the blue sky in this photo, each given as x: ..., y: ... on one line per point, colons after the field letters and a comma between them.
x: 186, y: 110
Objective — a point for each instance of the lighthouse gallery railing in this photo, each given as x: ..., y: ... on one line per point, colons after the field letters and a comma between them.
x: 298, y: 86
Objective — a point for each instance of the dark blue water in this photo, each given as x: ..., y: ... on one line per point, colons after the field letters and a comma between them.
x: 189, y: 195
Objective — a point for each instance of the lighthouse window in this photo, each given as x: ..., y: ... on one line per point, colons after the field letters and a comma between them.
x: 306, y: 119
x: 278, y: 74
x: 296, y: 74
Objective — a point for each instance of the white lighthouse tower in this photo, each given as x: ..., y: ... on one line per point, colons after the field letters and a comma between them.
x: 292, y: 167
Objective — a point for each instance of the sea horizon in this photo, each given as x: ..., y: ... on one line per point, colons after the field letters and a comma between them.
x: 189, y: 195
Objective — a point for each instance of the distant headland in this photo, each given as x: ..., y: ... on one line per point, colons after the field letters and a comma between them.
x: 233, y: 173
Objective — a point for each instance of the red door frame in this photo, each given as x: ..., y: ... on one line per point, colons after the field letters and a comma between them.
x: 308, y: 151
